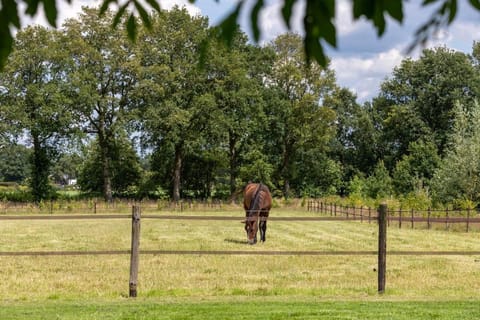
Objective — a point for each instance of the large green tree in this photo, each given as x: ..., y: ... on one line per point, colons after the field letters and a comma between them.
x: 102, y: 77
x: 458, y: 175
x: 126, y: 172
x: 297, y: 119
x: 419, y: 97
x: 35, y: 92
x: 355, y: 145
x: 177, y: 106
x: 416, y: 168
x: 236, y: 78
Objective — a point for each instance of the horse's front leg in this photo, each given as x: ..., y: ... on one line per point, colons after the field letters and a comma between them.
x: 263, y: 230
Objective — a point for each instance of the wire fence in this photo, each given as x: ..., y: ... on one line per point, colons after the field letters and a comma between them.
x: 332, y: 213
x: 99, y: 206
x: 456, y: 220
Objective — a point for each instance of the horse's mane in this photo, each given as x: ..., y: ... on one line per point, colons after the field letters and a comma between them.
x: 255, y: 203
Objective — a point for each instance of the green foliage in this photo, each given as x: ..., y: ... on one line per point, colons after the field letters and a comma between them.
x: 258, y: 168
x: 179, y: 115
x: 419, y: 99
x: 355, y: 143
x: 299, y: 123
x: 379, y: 184
x: 37, y: 100
x: 417, y: 200
x: 126, y: 171
x: 464, y: 204
x: 250, y: 113
x: 15, y: 194
x: 416, y: 168
x: 101, y: 92
x: 316, y: 174
x: 14, y: 164
x: 458, y: 176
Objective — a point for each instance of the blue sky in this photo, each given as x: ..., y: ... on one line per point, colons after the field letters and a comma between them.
x: 361, y: 61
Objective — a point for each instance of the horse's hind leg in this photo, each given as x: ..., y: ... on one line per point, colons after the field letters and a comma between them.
x: 263, y: 230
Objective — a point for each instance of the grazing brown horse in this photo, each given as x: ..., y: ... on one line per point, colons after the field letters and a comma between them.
x: 257, y: 202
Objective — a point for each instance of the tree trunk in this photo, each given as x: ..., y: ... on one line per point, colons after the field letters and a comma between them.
x: 286, y: 171
x: 286, y: 189
x: 40, y: 170
x: 177, y: 173
x: 107, y: 181
x: 233, y: 167
x: 106, y: 172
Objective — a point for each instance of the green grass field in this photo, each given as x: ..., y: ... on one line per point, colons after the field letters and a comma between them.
x: 235, y: 286
x: 255, y: 309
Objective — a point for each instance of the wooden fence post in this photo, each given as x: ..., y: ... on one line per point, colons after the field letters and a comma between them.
x: 400, y: 218
x: 468, y: 218
x: 413, y: 218
x: 428, y: 218
x: 382, y: 246
x: 134, y: 253
x: 446, y: 220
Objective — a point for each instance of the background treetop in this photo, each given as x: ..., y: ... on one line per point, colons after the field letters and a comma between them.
x: 318, y: 19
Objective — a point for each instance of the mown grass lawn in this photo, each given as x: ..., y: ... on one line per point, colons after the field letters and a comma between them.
x: 257, y: 309
x: 235, y: 286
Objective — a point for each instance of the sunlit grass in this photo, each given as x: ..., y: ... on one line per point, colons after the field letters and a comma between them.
x: 326, y: 277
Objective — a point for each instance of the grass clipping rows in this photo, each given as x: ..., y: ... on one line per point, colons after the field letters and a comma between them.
x: 223, y: 276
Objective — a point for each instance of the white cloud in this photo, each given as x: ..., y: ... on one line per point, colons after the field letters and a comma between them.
x: 344, y: 19
x: 271, y: 20
x: 364, y: 75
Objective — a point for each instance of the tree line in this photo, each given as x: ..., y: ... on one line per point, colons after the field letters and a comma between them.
x: 173, y: 114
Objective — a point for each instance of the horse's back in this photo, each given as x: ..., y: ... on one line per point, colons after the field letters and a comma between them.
x: 265, y: 201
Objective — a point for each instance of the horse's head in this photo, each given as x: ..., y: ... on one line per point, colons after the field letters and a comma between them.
x: 251, y: 227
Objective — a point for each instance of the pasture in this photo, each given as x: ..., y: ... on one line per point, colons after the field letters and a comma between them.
x: 187, y: 286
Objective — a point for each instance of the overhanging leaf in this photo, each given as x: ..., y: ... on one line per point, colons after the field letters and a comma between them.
x: 132, y: 27
x: 32, y: 7
x: 313, y: 49
x: 119, y: 15
x: 254, y: 18
x: 363, y: 8
x: 475, y: 4
x: 154, y: 4
x: 318, y: 24
x: 453, y: 10
x: 10, y: 13
x: 105, y: 5
x: 287, y: 11
x: 229, y: 24
x: 395, y: 9
x: 6, y: 43
x: 143, y: 15
x: 50, y: 8
x: 379, y: 20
